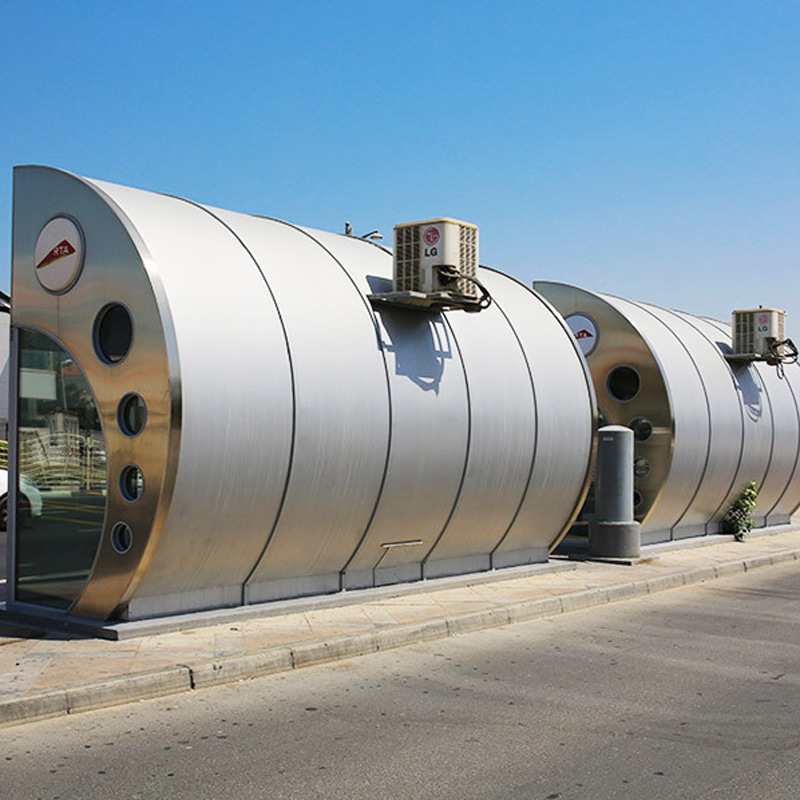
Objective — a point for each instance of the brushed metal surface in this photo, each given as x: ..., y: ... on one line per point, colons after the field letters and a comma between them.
x: 732, y: 423
x: 689, y: 411
x: 119, y: 268
x: 789, y: 501
x: 755, y: 419
x: 565, y: 431
x: 620, y: 343
x: 342, y: 409
x: 234, y: 367
x: 501, y: 441
x: 297, y: 441
x: 725, y: 450
x: 671, y: 341
x: 785, y: 444
x: 769, y: 409
x: 429, y: 428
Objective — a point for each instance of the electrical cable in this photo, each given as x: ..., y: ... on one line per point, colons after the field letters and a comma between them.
x: 448, y: 274
x: 778, y: 358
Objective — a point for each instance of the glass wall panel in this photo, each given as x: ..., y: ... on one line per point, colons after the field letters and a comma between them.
x: 62, y: 474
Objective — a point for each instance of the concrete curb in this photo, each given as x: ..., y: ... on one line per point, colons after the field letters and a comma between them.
x: 99, y: 694
x: 215, y: 672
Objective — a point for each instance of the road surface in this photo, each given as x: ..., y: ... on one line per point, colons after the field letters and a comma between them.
x: 691, y: 693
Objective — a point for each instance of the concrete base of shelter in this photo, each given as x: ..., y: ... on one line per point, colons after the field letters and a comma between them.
x: 56, y: 621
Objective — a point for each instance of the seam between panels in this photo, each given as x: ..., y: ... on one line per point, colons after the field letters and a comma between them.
x: 390, y: 412
x: 535, y: 447
x: 290, y: 464
x: 617, y: 306
x: 708, y: 415
x: 588, y: 474
x: 738, y: 469
x: 772, y: 438
x: 771, y: 417
x: 467, y: 452
x: 771, y: 414
x: 796, y: 452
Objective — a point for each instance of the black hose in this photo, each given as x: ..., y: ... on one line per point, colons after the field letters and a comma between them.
x: 448, y: 274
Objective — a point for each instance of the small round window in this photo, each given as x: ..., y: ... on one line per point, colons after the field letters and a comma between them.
x: 641, y: 468
x: 623, y: 383
x: 121, y: 538
x: 131, y: 414
x: 642, y: 429
x: 637, y: 499
x: 113, y: 333
x: 131, y: 483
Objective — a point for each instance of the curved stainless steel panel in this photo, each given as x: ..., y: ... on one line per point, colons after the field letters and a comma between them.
x: 786, y: 429
x: 620, y: 343
x: 789, y: 501
x: 725, y: 413
x: 342, y: 411
x: 754, y: 413
x: 233, y: 456
x: 118, y: 268
x: 759, y: 439
x: 691, y: 427
x: 429, y: 427
x: 733, y: 423
x: 713, y: 410
x: 565, y: 433
x: 501, y: 443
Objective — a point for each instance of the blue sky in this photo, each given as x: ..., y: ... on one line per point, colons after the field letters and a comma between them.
x: 648, y: 149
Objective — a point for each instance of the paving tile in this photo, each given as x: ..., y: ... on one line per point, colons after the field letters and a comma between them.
x: 67, y: 671
x: 378, y: 615
x: 21, y: 677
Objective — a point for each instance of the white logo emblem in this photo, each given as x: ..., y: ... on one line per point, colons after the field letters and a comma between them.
x: 584, y: 329
x: 59, y: 255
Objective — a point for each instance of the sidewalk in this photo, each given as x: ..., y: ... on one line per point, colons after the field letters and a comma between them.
x: 49, y: 674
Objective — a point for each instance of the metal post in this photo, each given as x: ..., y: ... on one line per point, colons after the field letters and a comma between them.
x: 13, y: 466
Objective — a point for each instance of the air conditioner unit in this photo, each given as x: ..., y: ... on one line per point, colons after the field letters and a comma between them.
x: 426, y: 252
x: 435, y: 267
x: 756, y: 332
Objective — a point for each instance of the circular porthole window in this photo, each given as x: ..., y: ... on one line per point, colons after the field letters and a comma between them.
x: 642, y: 429
x: 641, y: 467
x: 637, y: 499
x: 131, y: 483
x: 121, y: 537
x: 623, y: 383
x: 113, y: 333
x: 131, y: 414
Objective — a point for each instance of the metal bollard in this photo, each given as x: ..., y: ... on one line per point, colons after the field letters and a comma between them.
x: 614, y: 533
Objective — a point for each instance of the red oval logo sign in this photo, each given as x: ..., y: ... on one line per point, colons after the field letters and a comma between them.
x: 58, y: 256
x: 431, y: 236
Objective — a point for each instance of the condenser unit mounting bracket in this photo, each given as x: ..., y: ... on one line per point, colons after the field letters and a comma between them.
x: 743, y: 357
x: 432, y: 302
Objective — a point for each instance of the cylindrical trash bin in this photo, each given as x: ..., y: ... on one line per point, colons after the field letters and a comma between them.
x: 614, y: 533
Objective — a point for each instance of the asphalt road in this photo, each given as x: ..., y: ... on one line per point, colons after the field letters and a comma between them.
x: 691, y: 693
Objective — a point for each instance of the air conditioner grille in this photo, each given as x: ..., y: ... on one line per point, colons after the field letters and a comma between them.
x: 744, y: 334
x: 468, y: 259
x: 407, y: 259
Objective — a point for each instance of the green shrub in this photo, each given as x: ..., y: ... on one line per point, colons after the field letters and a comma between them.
x: 739, y: 519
